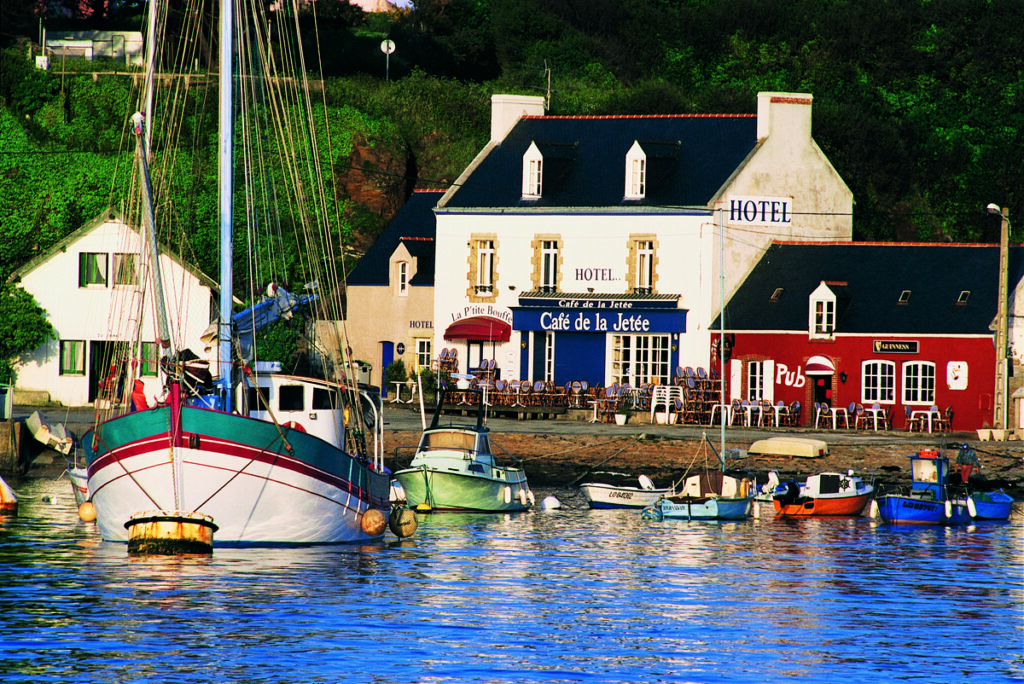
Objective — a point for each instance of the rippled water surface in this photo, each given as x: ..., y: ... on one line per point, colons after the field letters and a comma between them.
x: 561, y: 596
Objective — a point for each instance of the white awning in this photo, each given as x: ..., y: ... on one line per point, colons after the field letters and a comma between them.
x: 819, y: 365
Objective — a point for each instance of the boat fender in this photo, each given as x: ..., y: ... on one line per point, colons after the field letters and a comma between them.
x: 652, y: 512
x: 87, y: 511
x: 292, y: 425
x: 972, y: 507
x: 508, y: 494
x: 550, y: 503
x: 531, y: 497
x: 873, y: 510
x: 373, y: 522
x: 949, y: 508
x: 402, y: 521
x: 522, y: 497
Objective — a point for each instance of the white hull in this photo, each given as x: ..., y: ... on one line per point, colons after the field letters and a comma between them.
x: 608, y: 496
x: 251, y: 502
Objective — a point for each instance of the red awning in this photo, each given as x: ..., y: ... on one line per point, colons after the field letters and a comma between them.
x: 479, y: 328
x: 819, y: 365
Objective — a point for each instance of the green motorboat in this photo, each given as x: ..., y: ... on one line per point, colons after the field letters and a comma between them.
x: 455, y: 469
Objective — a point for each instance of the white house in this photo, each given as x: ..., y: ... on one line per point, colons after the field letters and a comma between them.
x: 92, y: 285
x: 591, y: 247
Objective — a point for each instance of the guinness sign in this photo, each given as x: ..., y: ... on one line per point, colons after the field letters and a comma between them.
x: 895, y: 346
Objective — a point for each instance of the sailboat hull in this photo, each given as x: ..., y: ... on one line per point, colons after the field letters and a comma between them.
x: 261, y: 483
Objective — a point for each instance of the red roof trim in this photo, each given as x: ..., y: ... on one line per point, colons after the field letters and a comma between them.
x: 778, y: 99
x: 644, y: 116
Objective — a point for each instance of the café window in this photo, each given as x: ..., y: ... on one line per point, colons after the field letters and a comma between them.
x: 755, y: 381
x: 878, y: 382
x: 72, y: 357
x: 549, y: 265
x: 637, y: 359
x: 92, y: 269
x: 919, y: 382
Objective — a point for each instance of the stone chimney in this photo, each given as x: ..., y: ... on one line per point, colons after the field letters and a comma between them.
x: 506, y: 110
x: 785, y: 116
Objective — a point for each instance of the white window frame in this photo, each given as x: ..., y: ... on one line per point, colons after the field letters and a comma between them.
x: 549, y: 356
x: 821, y: 321
x: 755, y: 381
x: 636, y: 173
x: 92, y: 269
x: 918, y: 387
x: 533, y: 177
x: 636, y: 359
x: 423, y: 347
x: 485, y: 266
x: 549, y: 265
x: 125, y: 268
x: 72, y: 357
x: 402, y: 276
x: 878, y: 381
x: 644, y: 265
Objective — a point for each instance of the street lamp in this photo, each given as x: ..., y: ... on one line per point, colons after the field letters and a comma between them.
x: 999, y: 406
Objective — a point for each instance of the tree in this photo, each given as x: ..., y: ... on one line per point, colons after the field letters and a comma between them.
x: 23, y: 327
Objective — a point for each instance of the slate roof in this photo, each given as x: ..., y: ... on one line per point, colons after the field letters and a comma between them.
x: 414, y: 226
x: 695, y: 155
x: 870, y: 277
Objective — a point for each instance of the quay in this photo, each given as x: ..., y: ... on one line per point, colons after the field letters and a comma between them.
x: 558, y: 449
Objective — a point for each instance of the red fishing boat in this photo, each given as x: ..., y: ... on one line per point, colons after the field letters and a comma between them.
x: 823, y: 494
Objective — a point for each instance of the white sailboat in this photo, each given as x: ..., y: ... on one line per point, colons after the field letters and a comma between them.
x: 266, y: 457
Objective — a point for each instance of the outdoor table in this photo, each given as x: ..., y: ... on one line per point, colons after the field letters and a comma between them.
x: 875, y: 412
x: 924, y: 414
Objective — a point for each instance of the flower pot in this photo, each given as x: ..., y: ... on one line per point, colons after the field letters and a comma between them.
x: 672, y: 418
x: 660, y: 418
x: 620, y: 418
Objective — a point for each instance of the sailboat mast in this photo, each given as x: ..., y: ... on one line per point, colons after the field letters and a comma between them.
x: 225, y: 193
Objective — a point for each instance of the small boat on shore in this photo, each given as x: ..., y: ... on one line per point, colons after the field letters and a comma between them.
x: 455, y: 469
x: 823, y: 494
x: 800, y: 447
x: 929, y: 501
x: 611, y: 494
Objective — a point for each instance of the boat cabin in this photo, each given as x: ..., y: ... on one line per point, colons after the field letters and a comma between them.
x: 463, y: 443
x: 929, y: 474
x: 317, y: 407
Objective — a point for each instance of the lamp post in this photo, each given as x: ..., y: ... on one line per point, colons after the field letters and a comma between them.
x: 999, y: 406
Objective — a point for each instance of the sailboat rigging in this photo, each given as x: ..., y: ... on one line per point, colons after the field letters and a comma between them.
x: 268, y: 457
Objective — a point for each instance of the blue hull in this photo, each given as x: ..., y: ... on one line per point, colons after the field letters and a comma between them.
x: 992, y: 506
x: 906, y: 510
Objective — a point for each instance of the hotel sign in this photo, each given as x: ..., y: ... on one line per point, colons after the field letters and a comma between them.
x: 761, y: 211
x: 895, y: 346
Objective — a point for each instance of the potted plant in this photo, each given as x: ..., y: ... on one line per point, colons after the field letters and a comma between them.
x: 622, y: 414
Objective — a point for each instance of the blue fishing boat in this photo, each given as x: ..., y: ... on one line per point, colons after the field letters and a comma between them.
x: 982, y: 505
x: 929, y: 501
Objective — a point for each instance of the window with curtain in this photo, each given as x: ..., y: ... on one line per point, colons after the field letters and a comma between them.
x: 72, y: 357
x: 92, y: 269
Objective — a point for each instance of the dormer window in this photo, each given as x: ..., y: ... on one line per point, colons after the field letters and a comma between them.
x: 532, y: 172
x: 403, y: 278
x: 822, y: 316
x: 636, y: 172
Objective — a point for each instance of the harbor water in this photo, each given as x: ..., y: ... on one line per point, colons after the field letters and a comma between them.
x: 566, y: 595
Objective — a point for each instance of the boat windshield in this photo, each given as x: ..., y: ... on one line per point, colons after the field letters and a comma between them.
x: 449, y: 440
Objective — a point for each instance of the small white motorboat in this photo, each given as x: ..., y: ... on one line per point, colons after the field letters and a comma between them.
x: 604, y: 495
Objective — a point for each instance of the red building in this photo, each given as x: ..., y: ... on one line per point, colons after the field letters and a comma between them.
x: 906, y: 326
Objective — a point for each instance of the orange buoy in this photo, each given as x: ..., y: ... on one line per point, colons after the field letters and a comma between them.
x: 373, y: 522
x: 87, y: 512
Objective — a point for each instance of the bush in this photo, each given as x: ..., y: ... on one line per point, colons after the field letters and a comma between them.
x: 395, y: 372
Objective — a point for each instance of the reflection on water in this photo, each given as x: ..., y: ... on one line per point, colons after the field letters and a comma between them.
x: 562, y: 595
